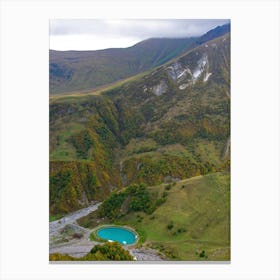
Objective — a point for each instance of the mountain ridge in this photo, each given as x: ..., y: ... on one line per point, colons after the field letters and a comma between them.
x: 108, y: 87
x: 80, y: 70
x: 72, y: 71
x: 170, y: 123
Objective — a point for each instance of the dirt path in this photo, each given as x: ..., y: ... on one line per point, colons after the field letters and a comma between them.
x: 74, y: 248
x: 63, y: 240
x: 55, y: 226
x: 67, y: 237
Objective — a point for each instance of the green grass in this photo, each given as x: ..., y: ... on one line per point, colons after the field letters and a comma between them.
x: 54, y: 217
x: 94, y: 237
x: 63, y: 150
x: 139, y: 146
x: 209, y: 151
x: 199, y: 211
x: 82, y: 96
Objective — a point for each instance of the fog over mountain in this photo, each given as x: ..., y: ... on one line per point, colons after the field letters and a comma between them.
x: 94, y: 34
x: 84, y: 70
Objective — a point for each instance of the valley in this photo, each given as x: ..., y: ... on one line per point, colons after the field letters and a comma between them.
x: 68, y: 237
x: 178, y: 229
x: 152, y: 152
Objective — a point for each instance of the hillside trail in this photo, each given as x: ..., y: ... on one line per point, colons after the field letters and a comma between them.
x: 80, y: 247
x: 74, y: 247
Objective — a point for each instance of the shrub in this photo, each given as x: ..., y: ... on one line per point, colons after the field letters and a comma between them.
x: 139, y: 199
x: 168, y: 187
x: 60, y: 257
x: 164, y: 194
x: 77, y: 235
x: 170, y: 226
x: 110, y: 251
x: 180, y: 230
x: 202, y: 254
x: 110, y: 208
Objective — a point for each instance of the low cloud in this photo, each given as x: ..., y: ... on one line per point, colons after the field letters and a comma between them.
x: 131, y: 30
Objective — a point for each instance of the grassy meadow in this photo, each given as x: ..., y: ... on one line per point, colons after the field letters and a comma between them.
x: 192, y: 224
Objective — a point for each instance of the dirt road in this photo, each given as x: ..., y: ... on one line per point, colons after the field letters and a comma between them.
x: 55, y: 226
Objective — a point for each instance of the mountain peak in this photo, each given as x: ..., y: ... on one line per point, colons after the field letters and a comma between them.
x: 214, y: 33
x: 86, y: 70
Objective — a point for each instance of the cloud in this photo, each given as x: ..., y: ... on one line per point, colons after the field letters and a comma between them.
x: 89, y: 42
x: 118, y: 33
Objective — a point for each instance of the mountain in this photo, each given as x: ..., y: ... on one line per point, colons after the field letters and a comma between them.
x: 170, y: 124
x: 71, y: 71
x: 82, y: 70
x: 155, y: 150
x: 213, y: 33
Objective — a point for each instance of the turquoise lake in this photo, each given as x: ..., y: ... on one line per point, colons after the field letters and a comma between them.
x: 119, y: 234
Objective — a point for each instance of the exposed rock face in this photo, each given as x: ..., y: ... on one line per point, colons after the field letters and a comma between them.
x: 201, y: 65
x: 177, y: 72
x: 185, y: 76
x: 183, y: 86
x: 160, y: 88
x: 207, y: 77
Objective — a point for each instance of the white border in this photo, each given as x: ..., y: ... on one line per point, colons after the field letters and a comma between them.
x: 255, y: 138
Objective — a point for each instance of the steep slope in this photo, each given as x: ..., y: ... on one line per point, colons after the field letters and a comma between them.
x: 83, y: 70
x: 214, y: 33
x: 172, y: 123
x: 80, y: 70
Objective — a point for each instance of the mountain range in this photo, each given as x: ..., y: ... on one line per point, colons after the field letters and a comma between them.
x: 84, y: 70
x: 153, y: 148
x: 171, y: 123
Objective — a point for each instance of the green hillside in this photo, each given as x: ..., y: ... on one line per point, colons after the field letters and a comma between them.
x: 193, y: 216
x: 82, y: 70
x: 169, y: 124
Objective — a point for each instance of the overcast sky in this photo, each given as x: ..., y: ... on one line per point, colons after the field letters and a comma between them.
x: 94, y: 34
